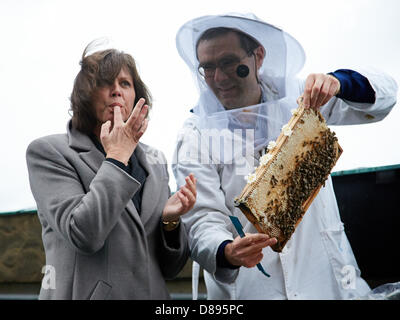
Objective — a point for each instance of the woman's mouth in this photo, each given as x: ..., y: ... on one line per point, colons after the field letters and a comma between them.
x: 115, y: 104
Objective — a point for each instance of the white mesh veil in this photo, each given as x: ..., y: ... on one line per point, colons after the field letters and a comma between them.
x: 284, y: 55
x: 283, y: 60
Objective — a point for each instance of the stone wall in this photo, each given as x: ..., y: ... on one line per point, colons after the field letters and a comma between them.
x: 21, y: 249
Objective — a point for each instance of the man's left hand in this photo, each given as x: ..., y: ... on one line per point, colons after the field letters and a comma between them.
x: 319, y: 89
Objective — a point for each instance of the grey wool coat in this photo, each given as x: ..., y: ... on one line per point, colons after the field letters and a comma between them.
x: 95, y: 241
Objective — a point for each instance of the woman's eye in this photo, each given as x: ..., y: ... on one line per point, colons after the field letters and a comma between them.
x: 126, y: 83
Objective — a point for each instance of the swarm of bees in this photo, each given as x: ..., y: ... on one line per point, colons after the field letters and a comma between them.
x: 311, y: 170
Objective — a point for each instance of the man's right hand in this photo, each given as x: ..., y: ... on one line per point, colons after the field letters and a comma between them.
x: 247, y: 251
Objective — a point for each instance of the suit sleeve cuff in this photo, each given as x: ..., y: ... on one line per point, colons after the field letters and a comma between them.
x: 172, y: 237
x: 118, y: 164
x: 354, y: 86
x: 222, y: 262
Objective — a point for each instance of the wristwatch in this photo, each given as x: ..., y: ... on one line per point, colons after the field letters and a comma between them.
x: 170, y: 225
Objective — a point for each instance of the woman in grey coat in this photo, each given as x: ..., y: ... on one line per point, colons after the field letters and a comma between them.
x: 109, y: 226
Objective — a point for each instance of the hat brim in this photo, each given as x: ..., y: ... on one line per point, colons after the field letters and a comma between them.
x: 284, y: 54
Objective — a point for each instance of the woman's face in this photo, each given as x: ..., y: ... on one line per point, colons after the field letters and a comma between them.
x: 121, y: 93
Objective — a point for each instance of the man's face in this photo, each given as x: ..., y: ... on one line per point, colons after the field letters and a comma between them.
x: 231, y: 90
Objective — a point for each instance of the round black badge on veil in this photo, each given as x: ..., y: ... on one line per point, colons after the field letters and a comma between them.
x: 242, y: 71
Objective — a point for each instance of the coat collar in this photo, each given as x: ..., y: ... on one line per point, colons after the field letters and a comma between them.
x: 85, y: 147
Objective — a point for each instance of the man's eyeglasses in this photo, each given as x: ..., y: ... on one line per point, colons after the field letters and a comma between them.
x: 227, y: 65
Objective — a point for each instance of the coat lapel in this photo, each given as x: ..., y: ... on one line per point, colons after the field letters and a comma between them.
x: 153, y: 184
x: 85, y: 147
x: 93, y: 158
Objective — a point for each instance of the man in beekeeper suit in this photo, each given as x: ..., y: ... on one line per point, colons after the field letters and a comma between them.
x: 245, y: 70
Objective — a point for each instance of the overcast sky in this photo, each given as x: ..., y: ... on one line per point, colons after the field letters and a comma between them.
x: 42, y: 43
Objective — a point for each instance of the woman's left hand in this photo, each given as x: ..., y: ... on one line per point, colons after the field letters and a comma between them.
x: 182, y: 201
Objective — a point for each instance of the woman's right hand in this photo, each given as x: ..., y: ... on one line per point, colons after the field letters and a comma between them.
x: 120, y: 141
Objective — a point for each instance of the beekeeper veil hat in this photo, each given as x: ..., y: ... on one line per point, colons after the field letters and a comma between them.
x: 284, y: 55
x: 284, y: 58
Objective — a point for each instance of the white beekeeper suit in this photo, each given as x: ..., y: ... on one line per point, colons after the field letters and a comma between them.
x: 317, y: 262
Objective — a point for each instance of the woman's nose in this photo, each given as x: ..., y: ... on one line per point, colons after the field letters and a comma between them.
x: 115, y: 90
